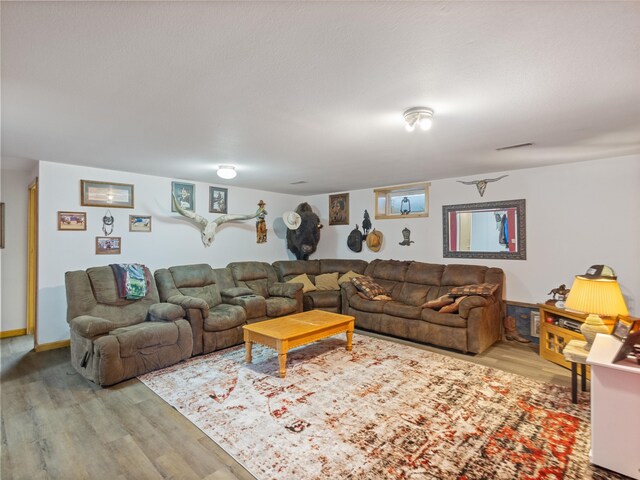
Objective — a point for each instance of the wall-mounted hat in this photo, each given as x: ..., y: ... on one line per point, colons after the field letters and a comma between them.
x: 354, y: 240
x: 374, y: 240
x: 600, y: 271
x: 292, y: 220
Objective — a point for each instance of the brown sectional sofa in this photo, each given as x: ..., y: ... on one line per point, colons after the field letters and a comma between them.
x: 205, y: 308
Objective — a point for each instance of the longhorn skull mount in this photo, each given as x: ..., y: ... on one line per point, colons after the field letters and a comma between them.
x: 208, y: 228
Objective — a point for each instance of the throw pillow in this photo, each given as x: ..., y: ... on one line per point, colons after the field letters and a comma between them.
x: 453, y: 308
x: 368, y: 286
x: 482, y: 289
x: 348, y: 276
x: 438, y: 302
x: 307, y: 286
x: 327, y: 281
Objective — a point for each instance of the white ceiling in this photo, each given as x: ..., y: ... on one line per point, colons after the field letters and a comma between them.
x: 297, y: 91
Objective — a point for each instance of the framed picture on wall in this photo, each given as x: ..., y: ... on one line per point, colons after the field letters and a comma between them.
x: 106, y: 194
x: 218, y: 198
x: 108, y: 245
x: 72, y: 220
x: 139, y: 223
x: 185, y: 194
x: 339, y: 209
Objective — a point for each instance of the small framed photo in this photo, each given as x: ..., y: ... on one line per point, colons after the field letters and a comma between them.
x: 218, y: 200
x: 106, y: 194
x: 339, y: 209
x: 139, y: 223
x: 185, y: 194
x: 72, y: 220
x: 108, y: 245
x: 622, y: 328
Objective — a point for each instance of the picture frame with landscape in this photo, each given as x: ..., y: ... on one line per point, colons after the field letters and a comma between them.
x: 218, y: 200
x: 185, y: 194
x: 108, y: 245
x: 106, y: 194
x: 139, y: 223
x: 69, y: 221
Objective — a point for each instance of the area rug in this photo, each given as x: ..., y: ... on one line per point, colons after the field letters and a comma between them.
x: 384, y: 410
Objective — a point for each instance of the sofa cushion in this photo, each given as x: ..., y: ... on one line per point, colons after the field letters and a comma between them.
x: 398, y: 309
x: 413, y: 294
x: 424, y: 273
x: 438, y: 302
x: 446, y: 319
x: 224, y: 317
x: 482, y: 289
x: 457, y: 275
x: 324, y: 298
x: 307, y: 286
x: 368, y: 286
x: 105, y: 289
x: 342, y: 266
x: 185, y: 276
x: 279, y: 306
x: 208, y: 293
x: 327, y: 281
x: 452, y: 307
x: 146, y: 335
x: 348, y: 276
x: 372, y: 306
x: 393, y: 270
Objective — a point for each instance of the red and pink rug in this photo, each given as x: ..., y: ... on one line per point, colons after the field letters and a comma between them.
x: 384, y: 410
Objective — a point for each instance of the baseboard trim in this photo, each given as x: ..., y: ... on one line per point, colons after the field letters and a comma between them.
x: 43, y: 347
x: 13, y: 333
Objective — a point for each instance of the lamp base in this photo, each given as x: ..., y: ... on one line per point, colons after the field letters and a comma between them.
x: 591, y: 327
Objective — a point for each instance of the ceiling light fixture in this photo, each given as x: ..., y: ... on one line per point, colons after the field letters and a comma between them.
x: 227, y: 172
x: 421, y: 116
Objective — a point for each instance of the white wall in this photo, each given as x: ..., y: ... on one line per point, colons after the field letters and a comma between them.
x: 577, y: 215
x: 15, y: 195
x: 173, y: 240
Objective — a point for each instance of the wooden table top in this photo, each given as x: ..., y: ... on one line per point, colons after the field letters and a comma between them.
x: 291, y: 326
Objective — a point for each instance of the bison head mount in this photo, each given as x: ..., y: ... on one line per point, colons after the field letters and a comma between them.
x: 303, y: 232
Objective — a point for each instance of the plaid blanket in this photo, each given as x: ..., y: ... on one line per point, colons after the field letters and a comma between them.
x: 132, y: 280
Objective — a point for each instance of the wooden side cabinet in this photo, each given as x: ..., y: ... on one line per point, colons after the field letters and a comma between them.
x: 555, y: 332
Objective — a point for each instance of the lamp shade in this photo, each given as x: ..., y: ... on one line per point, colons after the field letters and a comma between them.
x: 601, y: 296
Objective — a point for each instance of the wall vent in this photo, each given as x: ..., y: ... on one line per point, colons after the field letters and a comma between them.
x: 520, y: 145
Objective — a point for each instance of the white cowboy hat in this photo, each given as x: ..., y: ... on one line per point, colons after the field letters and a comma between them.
x: 292, y: 220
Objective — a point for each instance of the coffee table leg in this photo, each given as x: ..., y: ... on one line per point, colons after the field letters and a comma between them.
x: 349, y: 340
x: 247, y: 346
x: 282, y: 360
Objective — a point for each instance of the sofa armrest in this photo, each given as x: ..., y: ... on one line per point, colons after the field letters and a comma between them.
x: 472, y: 301
x: 89, y: 326
x: 190, y: 302
x: 235, y: 292
x: 348, y: 290
x: 289, y: 290
x: 165, y: 312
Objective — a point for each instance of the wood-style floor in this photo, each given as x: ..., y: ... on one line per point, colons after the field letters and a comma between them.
x: 57, y: 425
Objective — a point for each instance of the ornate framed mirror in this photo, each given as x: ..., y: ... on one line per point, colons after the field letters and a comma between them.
x: 485, y: 230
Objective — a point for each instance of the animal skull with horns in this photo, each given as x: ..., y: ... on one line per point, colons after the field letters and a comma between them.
x: 208, y: 228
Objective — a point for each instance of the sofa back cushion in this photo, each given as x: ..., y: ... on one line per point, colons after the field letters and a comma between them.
x: 288, y: 269
x: 342, y: 266
x: 388, y: 273
x: 196, y: 281
x: 254, y: 275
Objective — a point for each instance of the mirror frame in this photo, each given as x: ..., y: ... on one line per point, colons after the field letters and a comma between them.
x: 521, y: 232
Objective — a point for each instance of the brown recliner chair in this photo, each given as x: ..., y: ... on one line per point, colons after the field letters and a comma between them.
x: 197, y: 289
x: 114, y: 339
x: 272, y: 298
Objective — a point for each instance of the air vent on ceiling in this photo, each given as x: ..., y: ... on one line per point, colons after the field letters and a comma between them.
x: 520, y: 145
x: 298, y: 183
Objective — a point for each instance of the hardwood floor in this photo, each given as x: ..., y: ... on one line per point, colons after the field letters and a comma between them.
x: 57, y: 425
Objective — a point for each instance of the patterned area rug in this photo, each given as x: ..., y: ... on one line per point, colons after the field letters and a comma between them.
x: 384, y: 410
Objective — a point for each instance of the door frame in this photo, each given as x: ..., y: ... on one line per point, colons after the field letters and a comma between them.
x: 32, y: 262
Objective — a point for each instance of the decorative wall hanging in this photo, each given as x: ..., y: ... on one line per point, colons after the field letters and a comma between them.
x: 218, y: 200
x: 366, y: 225
x: 406, y: 240
x: 482, y: 184
x: 303, y: 240
x: 208, y: 228
x: 374, y: 240
x: 405, y: 206
x: 107, y: 223
x: 106, y: 194
x: 185, y: 194
x: 354, y: 240
x: 72, y: 220
x: 261, y: 225
x: 339, y: 209
x: 108, y: 245
x: 139, y: 223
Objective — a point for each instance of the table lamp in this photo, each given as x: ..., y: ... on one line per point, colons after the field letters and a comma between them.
x: 596, y: 293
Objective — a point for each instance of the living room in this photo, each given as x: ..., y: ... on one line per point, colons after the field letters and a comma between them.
x: 147, y: 95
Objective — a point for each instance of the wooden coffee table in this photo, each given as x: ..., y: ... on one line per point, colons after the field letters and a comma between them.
x: 285, y: 333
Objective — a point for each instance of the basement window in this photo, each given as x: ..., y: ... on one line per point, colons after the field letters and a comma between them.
x: 402, y: 201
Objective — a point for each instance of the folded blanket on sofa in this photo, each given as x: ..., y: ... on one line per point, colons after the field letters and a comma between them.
x: 131, y: 279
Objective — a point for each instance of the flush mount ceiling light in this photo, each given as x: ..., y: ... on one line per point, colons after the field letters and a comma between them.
x: 420, y: 116
x: 227, y: 172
